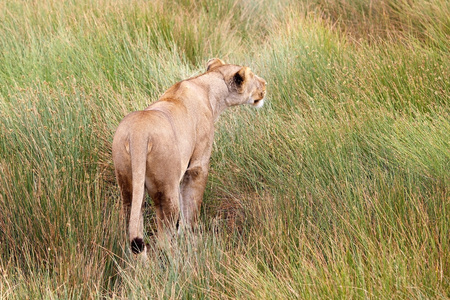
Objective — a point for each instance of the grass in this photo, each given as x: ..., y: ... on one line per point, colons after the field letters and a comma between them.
x: 338, y: 188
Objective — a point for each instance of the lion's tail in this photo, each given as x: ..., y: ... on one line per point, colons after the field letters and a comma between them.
x: 138, y: 152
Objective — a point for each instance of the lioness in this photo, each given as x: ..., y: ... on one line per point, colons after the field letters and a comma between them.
x: 166, y: 148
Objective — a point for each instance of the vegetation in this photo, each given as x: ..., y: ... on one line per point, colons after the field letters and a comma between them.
x: 338, y: 188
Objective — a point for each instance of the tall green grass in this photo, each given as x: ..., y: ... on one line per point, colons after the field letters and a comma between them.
x: 337, y: 188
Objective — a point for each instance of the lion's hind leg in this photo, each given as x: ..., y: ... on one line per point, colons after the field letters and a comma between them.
x: 126, y: 196
x: 166, y: 201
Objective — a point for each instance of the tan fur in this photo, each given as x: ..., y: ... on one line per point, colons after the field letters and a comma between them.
x: 165, y: 149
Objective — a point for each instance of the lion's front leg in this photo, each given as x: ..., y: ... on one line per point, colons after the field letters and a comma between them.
x: 192, y: 189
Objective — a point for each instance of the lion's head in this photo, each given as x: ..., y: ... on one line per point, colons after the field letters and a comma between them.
x: 248, y: 87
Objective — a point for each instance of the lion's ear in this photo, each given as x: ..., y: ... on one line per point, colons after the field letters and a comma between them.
x: 214, y: 63
x: 241, y: 77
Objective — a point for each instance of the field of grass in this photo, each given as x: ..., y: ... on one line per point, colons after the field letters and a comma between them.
x: 338, y: 188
